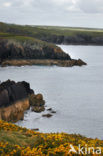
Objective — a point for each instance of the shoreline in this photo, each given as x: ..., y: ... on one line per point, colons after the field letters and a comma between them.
x: 79, y: 44
x: 44, y: 62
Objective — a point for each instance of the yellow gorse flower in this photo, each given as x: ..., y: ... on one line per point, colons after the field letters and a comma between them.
x: 40, y: 144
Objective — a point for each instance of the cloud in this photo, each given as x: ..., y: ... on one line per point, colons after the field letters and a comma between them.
x: 52, y: 12
x: 7, y: 4
x: 86, y: 6
x: 91, y: 6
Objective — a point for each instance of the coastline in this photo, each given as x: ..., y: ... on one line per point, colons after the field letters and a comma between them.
x: 17, y: 50
x: 44, y: 62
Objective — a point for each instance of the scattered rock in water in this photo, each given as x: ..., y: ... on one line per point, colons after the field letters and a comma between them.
x: 36, y: 100
x: 47, y: 115
x: 49, y: 109
x: 53, y: 111
x: 37, y: 103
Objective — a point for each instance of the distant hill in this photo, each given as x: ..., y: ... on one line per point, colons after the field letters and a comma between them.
x: 56, y: 34
x: 28, y: 45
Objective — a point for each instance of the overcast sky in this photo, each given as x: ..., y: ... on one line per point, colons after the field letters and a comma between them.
x: 78, y: 13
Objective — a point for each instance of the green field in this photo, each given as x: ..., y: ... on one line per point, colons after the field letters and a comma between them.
x: 39, y: 31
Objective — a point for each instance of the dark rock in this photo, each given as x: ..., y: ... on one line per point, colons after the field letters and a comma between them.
x: 79, y: 62
x: 10, y: 92
x: 39, y: 97
x: 49, y: 109
x: 37, y: 103
x: 78, y: 39
x: 15, y: 49
x: 47, y: 115
x: 38, y: 109
x: 53, y: 111
x: 36, y: 100
x: 15, y: 98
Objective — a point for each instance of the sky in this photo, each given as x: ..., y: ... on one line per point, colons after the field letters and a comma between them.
x: 73, y: 13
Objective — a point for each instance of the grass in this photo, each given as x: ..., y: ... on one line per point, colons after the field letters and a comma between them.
x: 44, y: 31
x: 27, y: 39
x: 17, y: 138
x: 18, y: 141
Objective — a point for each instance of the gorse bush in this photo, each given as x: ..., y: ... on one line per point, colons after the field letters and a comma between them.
x: 18, y: 141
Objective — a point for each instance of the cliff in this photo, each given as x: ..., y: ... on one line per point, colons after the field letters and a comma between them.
x: 15, y: 98
x: 78, y: 39
x: 14, y: 112
x: 27, y: 45
x: 55, y: 34
x: 20, y: 47
x: 21, y: 50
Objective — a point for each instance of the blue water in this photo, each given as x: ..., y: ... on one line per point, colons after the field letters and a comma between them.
x: 75, y: 93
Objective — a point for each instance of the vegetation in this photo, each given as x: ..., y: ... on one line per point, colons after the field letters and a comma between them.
x: 27, y: 39
x: 17, y: 141
x: 40, y: 31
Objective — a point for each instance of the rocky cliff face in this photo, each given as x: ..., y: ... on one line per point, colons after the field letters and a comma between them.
x: 10, y: 92
x: 15, y: 98
x: 28, y: 52
x: 77, y: 39
x: 30, y: 49
x: 15, y: 111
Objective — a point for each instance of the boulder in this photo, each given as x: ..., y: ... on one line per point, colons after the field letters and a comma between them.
x: 49, y: 109
x: 53, y: 111
x: 47, y: 115
x: 38, y: 109
x: 39, y: 97
x: 36, y: 102
x: 79, y: 62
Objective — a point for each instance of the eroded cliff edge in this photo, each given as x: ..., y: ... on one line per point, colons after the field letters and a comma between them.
x: 21, y: 50
x: 15, y: 98
x: 55, y: 34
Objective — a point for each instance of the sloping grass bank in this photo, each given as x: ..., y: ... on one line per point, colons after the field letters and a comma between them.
x: 17, y: 141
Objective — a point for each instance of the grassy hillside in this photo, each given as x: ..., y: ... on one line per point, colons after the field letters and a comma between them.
x: 38, y: 31
x: 55, y: 34
x: 17, y: 141
x: 20, y: 38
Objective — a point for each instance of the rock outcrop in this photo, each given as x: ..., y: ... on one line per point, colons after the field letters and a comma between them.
x: 78, y: 39
x: 47, y: 62
x: 34, y: 52
x: 30, y: 49
x: 15, y: 98
x: 10, y: 92
x: 37, y: 102
x: 14, y: 112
